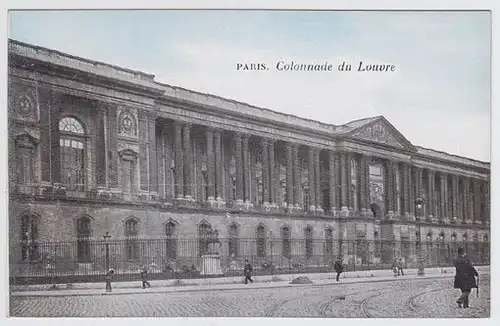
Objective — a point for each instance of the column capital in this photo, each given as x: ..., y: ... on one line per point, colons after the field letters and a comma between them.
x: 267, y: 141
x: 245, y: 136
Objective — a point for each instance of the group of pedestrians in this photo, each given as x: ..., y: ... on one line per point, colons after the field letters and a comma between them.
x: 465, y: 275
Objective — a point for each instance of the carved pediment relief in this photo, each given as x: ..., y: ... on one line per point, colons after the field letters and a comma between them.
x: 381, y: 131
x: 26, y: 140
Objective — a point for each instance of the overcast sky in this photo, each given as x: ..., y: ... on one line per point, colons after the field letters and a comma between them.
x: 438, y: 97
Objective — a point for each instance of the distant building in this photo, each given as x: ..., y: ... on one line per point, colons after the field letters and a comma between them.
x: 95, y: 148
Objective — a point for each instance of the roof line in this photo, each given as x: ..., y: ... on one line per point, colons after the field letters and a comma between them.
x: 449, y: 154
x: 152, y: 76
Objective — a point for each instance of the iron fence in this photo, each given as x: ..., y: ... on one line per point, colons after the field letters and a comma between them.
x: 86, y: 260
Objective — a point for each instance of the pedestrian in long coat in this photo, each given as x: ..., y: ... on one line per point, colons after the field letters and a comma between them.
x: 338, y: 267
x: 247, y: 270
x: 465, y: 277
x: 144, y: 277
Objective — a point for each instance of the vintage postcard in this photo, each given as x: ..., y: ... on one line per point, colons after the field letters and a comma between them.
x: 249, y: 163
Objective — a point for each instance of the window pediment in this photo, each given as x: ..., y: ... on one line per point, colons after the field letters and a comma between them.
x: 26, y: 140
x: 128, y: 155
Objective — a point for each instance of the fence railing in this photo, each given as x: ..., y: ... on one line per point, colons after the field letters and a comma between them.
x: 87, y: 260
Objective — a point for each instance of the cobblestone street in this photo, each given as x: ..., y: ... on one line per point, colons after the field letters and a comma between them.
x: 398, y: 298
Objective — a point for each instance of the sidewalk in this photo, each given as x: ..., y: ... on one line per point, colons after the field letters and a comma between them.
x: 228, y: 283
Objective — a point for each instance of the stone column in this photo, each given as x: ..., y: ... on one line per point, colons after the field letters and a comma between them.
x: 443, y: 203
x: 210, y: 164
x: 432, y: 195
x: 160, y: 154
x: 272, y: 174
x: 179, y: 158
x: 487, y: 215
x: 360, y: 183
x: 167, y: 151
x: 477, y: 201
x: 388, y: 188
x: 366, y: 187
x: 153, y: 159
x: 317, y: 179
x: 332, y: 182
x: 296, y: 175
x: 55, y: 149
x: 466, y: 200
x: 265, y: 172
x: 311, y: 170
x: 101, y: 168
x: 350, y: 192
x: 343, y: 184
x: 454, y: 204
x: 413, y: 178
x: 246, y: 170
x: 45, y: 103
x: 289, y: 175
x: 112, y: 148
x: 406, y: 189
x: 188, y: 161
x: 219, y: 170
x: 239, y: 169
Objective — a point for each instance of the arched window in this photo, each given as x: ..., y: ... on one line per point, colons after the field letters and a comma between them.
x: 261, y: 241
x: 204, y: 230
x: 285, y: 240
x: 328, y: 243
x: 29, y: 237
x: 308, y: 234
x: 72, y: 143
x: 83, y: 233
x: 131, y: 245
x: 171, y: 241
x: 233, y: 240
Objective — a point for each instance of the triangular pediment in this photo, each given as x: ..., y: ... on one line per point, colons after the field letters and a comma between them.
x: 383, y: 132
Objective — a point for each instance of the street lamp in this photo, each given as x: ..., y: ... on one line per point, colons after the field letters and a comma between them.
x: 106, y: 236
x: 271, y: 248
x: 419, y: 204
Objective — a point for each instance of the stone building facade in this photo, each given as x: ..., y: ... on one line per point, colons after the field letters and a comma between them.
x: 95, y: 148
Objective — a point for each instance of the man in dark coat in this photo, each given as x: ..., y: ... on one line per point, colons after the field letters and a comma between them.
x: 465, y: 277
x: 247, y: 270
x: 338, y: 267
x: 144, y: 277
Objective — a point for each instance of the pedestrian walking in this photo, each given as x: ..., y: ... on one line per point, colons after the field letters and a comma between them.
x: 247, y: 270
x: 338, y: 267
x: 109, y: 277
x: 144, y: 275
x: 395, y: 267
x: 465, y: 277
x: 400, y: 266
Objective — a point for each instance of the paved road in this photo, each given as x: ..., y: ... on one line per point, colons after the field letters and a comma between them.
x: 399, y: 298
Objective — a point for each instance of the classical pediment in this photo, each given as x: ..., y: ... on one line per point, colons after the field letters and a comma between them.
x: 381, y: 131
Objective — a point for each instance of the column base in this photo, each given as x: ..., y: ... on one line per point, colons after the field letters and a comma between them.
x: 446, y: 220
x: 435, y: 220
x: 312, y: 208
x: 390, y: 215
x: 478, y: 222
x: 319, y: 210
x: 247, y: 204
x: 406, y: 216
x: 468, y: 221
x: 344, y: 212
x: 220, y: 203
x: 334, y: 212
x: 188, y: 198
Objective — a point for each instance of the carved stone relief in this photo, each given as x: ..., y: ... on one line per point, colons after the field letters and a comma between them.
x: 378, y: 132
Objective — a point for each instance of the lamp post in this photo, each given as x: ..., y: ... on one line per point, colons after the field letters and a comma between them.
x: 271, y: 248
x: 419, y: 204
x: 106, y: 236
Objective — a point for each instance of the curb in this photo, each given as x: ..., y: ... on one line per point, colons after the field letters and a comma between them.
x: 160, y: 290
